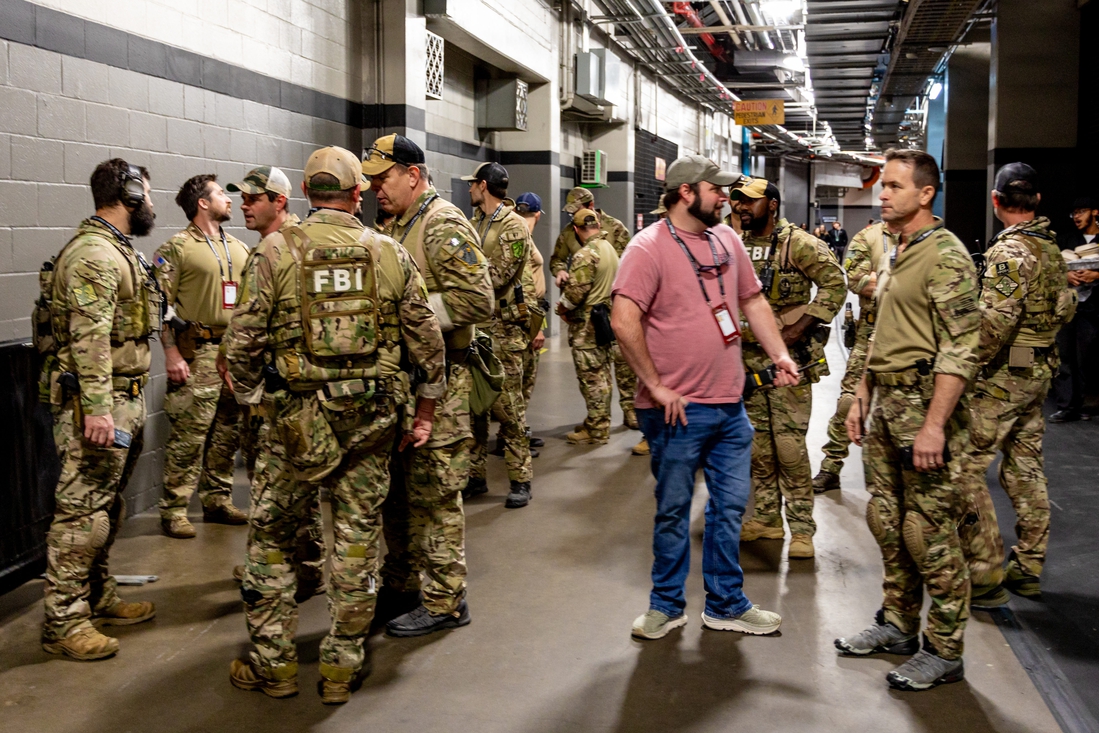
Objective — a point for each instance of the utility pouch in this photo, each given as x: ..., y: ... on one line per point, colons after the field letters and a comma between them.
x: 347, y: 406
x: 1020, y: 357
x: 185, y: 340
x: 537, y: 320
x: 601, y: 323
x: 487, y: 372
x: 311, y: 445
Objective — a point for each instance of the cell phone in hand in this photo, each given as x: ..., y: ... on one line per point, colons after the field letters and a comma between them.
x: 908, y: 462
x: 122, y: 439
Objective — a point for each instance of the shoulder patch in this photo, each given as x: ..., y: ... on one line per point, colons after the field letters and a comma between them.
x: 1005, y: 286
x: 517, y: 249
x: 962, y: 306
x: 463, y: 251
x: 160, y: 261
x: 85, y: 295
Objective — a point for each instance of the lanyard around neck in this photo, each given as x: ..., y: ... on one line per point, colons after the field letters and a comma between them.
x: 228, y: 254
x: 694, y: 262
x: 412, y: 221
x: 910, y: 245
x: 488, y: 222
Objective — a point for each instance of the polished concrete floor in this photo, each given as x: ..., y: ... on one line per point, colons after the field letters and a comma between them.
x: 553, y: 590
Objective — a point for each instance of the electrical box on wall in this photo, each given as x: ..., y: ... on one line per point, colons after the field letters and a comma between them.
x: 593, y: 169
x: 599, y: 77
x: 502, y: 104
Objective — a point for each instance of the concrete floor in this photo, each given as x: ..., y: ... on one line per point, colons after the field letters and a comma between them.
x: 554, y: 588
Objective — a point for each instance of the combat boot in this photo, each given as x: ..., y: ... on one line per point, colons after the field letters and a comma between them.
x: 825, y: 481
x: 85, y: 645
x: 801, y: 547
x: 534, y: 442
x: 125, y: 614
x: 629, y: 419
x: 393, y: 603
x: 238, y: 573
x: 641, y: 449
x: 988, y: 596
x: 474, y: 487
x: 754, y: 529
x: 246, y: 677
x: 224, y: 514
x: 519, y: 496
x: 1019, y: 582
x: 924, y: 671
x: 583, y: 437
x: 178, y: 527
x: 333, y: 692
x: 421, y: 622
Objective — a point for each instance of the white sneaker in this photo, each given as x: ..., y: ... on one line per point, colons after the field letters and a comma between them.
x: 656, y: 625
x: 753, y: 621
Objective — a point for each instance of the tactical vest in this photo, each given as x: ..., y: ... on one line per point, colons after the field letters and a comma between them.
x: 790, y: 288
x: 459, y: 338
x: 137, y: 310
x: 490, y: 244
x: 1046, y: 307
x: 340, y: 321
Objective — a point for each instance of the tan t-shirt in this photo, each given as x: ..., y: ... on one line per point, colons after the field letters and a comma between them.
x: 191, y: 270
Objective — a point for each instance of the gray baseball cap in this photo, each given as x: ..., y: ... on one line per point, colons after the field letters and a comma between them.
x: 695, y: 169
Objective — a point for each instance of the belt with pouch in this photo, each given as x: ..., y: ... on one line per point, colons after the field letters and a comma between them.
x: 869, y: 317
x: 206, y: 334
x: 903, y: 378
x: 131, y: 386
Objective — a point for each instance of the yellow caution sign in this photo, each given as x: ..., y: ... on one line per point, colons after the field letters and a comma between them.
x: 759, y: 112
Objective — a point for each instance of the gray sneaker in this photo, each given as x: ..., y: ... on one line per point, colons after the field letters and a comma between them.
x: 753, y: 621
x: 924, y: 671
x: 654, y: 624
x: 881, y: 638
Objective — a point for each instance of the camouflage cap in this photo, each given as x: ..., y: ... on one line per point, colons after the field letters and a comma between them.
x: 660, y: 209
x: 389, y: 150
x: 585, y: 218
x: 695, y: 169
x: 576, y: 199
x: 259, y: 180
x: 341, y: 164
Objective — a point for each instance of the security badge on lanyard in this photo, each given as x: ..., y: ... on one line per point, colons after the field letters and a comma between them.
x: 228, y: 287
x: 725, y: 321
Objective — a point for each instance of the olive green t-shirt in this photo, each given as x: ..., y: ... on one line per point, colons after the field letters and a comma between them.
x: 191, y: 270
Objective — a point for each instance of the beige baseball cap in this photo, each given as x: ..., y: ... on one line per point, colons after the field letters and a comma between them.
x: 339, y: 163
x: 577, y: 198
x: 585, y: 218
x: 259, y: 180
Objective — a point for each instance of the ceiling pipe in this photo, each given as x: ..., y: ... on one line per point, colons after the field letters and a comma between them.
x: 742, y: 19
x: 757, y: 19
x: 721, y: 15
x: 691, y: 15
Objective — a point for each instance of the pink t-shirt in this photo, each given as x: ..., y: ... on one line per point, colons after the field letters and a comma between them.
x: 683, y: 337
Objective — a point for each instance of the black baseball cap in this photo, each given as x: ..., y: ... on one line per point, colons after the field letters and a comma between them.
x: 493, y: 174
x: 1017, y: 177
x: 1085, y: 202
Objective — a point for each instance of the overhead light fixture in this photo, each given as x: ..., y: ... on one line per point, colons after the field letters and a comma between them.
x: 936, y: 90
x: 780, y: 8
x: 793, y: 63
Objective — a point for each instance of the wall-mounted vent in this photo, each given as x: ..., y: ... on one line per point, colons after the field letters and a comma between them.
x: 593, y: 168
x: 434, y: 68
x: 502, y: 104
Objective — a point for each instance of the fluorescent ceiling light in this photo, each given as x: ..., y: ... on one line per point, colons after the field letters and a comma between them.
x: 795, y: 63
x: 936, y: 90
x: 780, y: 8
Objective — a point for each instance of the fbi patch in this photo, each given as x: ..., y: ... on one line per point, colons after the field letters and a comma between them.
x: 85, y: 295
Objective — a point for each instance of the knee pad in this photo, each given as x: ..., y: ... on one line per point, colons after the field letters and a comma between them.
x: 789, y: 451
x: 874, y: 519
x: 844, y: 406
x: 915, y: 536
x: 98, y: 533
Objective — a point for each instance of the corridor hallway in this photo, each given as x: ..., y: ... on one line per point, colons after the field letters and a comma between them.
x: 553, y: 590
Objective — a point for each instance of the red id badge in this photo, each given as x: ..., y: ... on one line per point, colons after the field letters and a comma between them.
x: 726, y: 323
x: 228, y: 295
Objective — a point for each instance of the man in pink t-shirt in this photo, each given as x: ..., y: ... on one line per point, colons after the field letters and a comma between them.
x: 681, y: 287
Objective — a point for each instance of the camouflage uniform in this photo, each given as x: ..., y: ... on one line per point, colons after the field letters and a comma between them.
x: 591, y: 277
x: 334, y: 434
x: 530, y: 356
x: 1024, y: 301
x: 616, y: 233
x: 864, y: 254
x: 423, y: 518
x: 506, y: 244
x: 780, y: 461
x: 105, y: 306
x: 928, y: 323
x: 204, y: 416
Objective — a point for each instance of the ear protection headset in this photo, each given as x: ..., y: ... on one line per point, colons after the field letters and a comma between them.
x: 131, y: 190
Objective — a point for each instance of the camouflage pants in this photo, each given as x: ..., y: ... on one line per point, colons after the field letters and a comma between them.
x: 914, y: 518
x: 624, y: 378
x: 780, y: 460
x: 88, y: 512
x: 205, y: 421
x: 357, y: 487
x: 271, y: 465
x: 1005, y: 415
x: 424, y: 523
x: 835, y: 450
x: 511, y: 411
x: 251, y: 423
x: 593, y: 371
x: 530, y: 373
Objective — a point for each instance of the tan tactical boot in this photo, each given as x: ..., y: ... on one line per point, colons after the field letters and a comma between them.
x: 641, y: 449
x: 238, y: 573
x: 629, y: 419
x: 801, y: 546
x: 178, y: 527
x: 583, y: 437
x: 334, y: 693
x: 224, y: 514
x: 85, y: 645
x: 125, y: 614
x: 245, y: 677
x: 754, y: 529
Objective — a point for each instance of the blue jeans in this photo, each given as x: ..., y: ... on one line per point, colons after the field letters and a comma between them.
x: 717, y: 438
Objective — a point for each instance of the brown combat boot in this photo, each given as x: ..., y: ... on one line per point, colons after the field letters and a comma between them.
x: 334, y: 693
x: 629, y: 419
x: 825, y: 481
x: 238, y: 573
x: 583, y: 437
x: 754, y: 529
x: 246, y: 677
x: 125, y: 614
x: 641, y: 449
x: 224, y: 514
x: 85, y: 645
x: 178, y: 527
x: 801, y: 547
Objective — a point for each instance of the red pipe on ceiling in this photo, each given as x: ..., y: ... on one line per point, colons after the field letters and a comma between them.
x: 689, y: 13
